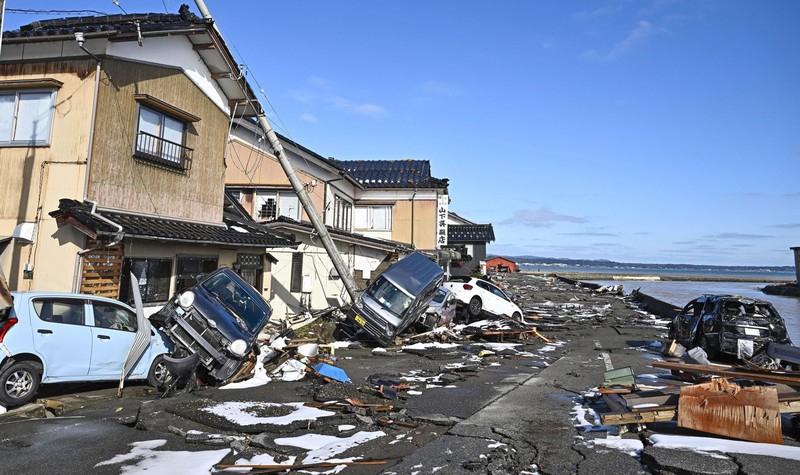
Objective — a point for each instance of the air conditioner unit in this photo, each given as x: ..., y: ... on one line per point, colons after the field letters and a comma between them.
x: 307, y: 284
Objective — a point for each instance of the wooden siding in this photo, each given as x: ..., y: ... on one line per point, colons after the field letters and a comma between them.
x: 424, y: 223
x: 117, y: 180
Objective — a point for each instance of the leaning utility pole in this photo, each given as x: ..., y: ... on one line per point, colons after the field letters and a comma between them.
x: 297, y: 185
x: 2, y: 17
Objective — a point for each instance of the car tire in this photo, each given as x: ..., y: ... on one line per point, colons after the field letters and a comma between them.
x: 517, y: 316
x: 19, y: 383
x: 475, y: 307
x: 159, y: 375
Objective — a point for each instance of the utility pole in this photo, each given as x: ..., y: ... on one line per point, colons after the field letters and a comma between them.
x: 2, y: 17
x: 297, y: 185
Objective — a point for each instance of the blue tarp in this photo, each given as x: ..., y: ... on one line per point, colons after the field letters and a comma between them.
x: 337, y: 374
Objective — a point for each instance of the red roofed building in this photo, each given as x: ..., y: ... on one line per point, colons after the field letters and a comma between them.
x: 501, y: 264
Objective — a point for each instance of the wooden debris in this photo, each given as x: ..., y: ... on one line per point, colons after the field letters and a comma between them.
x: 789, y: 378
x: 724, y: 408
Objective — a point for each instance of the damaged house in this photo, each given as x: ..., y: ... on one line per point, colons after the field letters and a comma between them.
x: 304, y: 278
x: 113, y: 136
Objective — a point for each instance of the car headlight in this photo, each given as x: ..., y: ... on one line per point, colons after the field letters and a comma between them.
x: 186, y: 299
x: 238, y: 347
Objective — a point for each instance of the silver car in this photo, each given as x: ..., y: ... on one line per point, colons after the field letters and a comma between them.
x: 441, y: 310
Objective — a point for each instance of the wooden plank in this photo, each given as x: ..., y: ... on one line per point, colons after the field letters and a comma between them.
x: 732, y: 372
x: 724, y: 408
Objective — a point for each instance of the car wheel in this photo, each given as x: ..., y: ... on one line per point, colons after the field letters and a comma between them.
x: 19, y: 383
x: 517, y: 316
x: 159, y: 375
x: 475, y: 307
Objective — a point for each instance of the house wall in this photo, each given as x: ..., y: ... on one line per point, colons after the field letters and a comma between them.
x: 424, y: 223
x: 118, y: 181
x: 250, y: 167
x: 318, y: 266
x: 478, y: 253
x: 30, y: 178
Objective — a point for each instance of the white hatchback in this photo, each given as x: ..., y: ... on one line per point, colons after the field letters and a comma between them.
x: 479, y: 295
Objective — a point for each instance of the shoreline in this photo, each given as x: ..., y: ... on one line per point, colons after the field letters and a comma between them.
x: 622, y: 277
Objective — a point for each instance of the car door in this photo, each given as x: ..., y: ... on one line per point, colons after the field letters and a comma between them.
x: 508, y: 308
x: 113, y: 332
x: 491, y: 302
x: 61, y: 336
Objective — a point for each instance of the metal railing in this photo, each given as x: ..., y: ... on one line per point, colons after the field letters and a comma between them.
x: 163, y: 152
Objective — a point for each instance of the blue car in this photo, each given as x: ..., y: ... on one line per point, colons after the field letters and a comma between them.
x: 60, y: 337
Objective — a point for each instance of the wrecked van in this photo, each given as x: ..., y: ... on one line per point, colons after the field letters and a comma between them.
x: 218, y: 319
x: 397, y: 298
x: 728, y: 325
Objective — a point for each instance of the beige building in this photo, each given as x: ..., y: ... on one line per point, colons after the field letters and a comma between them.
x: 113, y: 136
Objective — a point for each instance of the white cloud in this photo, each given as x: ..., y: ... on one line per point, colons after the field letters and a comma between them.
x: 641, y: 33
x: 321, y: 91
x: 309, y: 117
x: 541, y: 218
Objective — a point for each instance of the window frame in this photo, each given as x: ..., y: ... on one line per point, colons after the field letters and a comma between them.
x: 371, y: 217
x: 340, y: 204
x: 184, y: 160
x: 276, y: 195
x: 296, y: 273
x: 93, y: 303
x: 185, y: 257
x: 61, y: 299
x: 28, y: 143
x: 125, y: 278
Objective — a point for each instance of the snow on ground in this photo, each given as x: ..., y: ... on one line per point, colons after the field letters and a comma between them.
x: 711, y: 444
x: 500, y: 346
x: 242, y: 412
x: 165, y: 462
x: 632, y: 447
x: 259, y: 378
x: 580, y: 414
x: 3, y: 409
x: 323, y: 447
x: 261, y: 459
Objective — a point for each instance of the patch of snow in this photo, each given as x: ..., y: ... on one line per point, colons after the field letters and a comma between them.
x: 579, y: 416
x: 259, y: 378
x: 261, y: 459
x: 346, y: 427
x: 323, y: 447
x: 340, y: 344
x: 495, y: 445
x: 632, y: 447
x: 379, y: 350
x: 709, y: 444
x: 241, y: 413
x: 3, y: 409
x: 239, y: 229
x: 414, y: 393
x: 500, y: 346
x: 165, y: 462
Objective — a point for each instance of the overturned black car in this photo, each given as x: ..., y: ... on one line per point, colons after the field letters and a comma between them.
x: 218, y: 319
x: 728, y: 325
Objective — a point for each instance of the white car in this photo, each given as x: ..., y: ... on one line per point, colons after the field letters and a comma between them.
x: 479, y: 295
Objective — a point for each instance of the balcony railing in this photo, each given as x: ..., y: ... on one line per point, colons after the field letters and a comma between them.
x: 163, y: 152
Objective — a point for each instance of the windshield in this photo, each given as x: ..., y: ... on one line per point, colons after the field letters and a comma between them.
x: 239, y: 299
x: 440, y: 296
x: 388, y: 295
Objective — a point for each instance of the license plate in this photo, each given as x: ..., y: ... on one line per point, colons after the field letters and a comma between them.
x: 752, y: 331
x: 360, y: 320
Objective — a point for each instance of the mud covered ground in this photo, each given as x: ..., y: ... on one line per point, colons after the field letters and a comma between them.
x: 518, y: 410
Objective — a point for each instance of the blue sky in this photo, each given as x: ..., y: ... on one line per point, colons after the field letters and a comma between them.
x: 655, y: 131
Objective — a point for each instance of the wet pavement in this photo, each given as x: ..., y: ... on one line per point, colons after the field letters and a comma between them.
x: 511, y: 412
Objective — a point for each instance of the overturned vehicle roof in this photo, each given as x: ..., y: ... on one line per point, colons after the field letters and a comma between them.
x: 414, y: 273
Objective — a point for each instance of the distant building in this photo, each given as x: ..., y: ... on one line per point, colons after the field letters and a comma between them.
x: 470, y: 239
x: 501, y: 264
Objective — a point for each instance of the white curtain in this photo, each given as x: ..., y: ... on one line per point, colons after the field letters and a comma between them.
x: 6, y: 116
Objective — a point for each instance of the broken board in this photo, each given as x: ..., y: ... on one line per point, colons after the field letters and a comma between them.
x: 724, y: 408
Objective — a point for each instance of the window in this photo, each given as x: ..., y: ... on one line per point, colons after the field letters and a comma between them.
x: 373, y: 218
x: 270, y: 205
x: 188, y: 269
x: 26, y: 117
x: 389, y: 296
x: 153, y: 276
x: 160, y: 138
x: 251, y: 268
x: 342, y: 213
x: 67, y: 311
x: 297, y: 272
x: 113, y: 317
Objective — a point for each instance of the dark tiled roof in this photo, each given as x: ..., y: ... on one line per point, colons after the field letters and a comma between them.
x: 149, y: 227
x: 108, y: 23
x: 284, y: 222
x: 461, y: 233
x: 392, y: 173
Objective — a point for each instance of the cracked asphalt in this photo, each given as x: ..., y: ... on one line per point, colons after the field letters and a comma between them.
x: 512, y: 415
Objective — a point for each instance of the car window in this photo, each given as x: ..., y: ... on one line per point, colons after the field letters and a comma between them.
x: 69, y: 311
x: 498, y: 292
x: 113, y: 317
